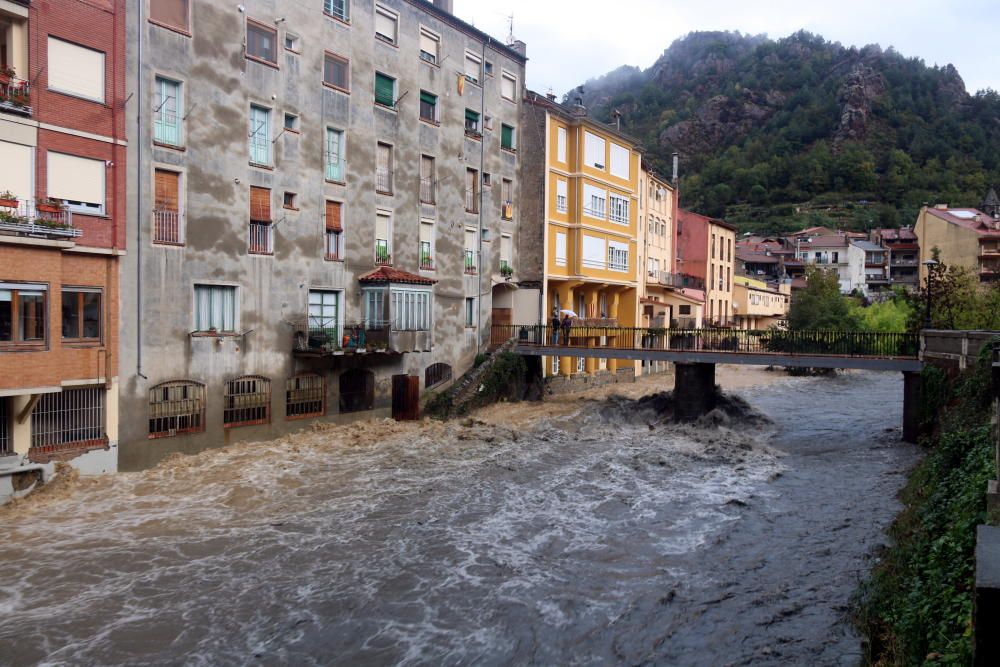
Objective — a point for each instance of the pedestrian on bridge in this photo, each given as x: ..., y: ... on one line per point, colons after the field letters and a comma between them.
x: 555, y: 324
x: 567, y: 322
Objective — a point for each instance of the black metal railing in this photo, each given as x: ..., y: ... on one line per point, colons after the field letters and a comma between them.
x: 324, y: 335
x: 770, y: 341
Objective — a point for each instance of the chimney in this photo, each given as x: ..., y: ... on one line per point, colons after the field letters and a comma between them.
x: 677, y: 162
x: 550, y: 96
x: 941, y: 207
x: 445, y: 5
x: 517, y: 45
x: 578, y: 108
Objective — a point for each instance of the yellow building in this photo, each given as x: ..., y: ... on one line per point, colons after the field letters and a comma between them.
x: 721, y: 270
x: 657, y: 208
x: 589, y: 182
x: 758, y: 306
x: 962, y: 237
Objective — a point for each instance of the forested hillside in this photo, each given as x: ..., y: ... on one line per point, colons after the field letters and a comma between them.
x: 776, y: 135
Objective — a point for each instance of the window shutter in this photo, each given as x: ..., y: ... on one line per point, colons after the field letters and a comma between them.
x: 384, y: 90
x: 507, y: 136
x: 260, y: 204
x: 335, y: 71
x: 170, y: 12
x: 16, y: 169
x: 428, y: 98
x: 167, y: 190
x: 508, y: 87
x: 75, y: 70
x: 471, y: 115
x: 385, y: 25
x: 428, y: 44
x: 472, y: 68
x: 382, y: 226
x: 76, y: 178
x: 333, y: 217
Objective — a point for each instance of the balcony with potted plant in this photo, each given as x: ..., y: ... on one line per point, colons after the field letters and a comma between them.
x: 15, y: 94
x: 42, y: 218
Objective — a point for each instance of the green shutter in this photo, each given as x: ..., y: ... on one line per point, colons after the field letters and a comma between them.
x: 384, y: 90
x: 427, y: 98
x: 472, y: 115
x: 507, y: 136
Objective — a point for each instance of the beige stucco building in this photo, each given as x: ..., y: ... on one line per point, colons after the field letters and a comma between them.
x: 756, y: 305
x: 962, y: 237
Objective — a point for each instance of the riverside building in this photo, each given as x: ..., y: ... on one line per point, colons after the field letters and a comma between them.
x: 62, y: 232
x: 325, y: 195
x: 706, y: 252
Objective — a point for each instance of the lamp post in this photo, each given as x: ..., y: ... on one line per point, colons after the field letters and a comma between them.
x: 930, y: 264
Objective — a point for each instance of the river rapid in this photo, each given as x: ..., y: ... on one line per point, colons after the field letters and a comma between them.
x: 593, y: 536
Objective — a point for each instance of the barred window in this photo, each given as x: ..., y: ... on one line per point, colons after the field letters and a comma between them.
x: 247, y: 401
x: 305, y: 396
x: 176, y: 407
x: 70, y: 419
x: 436, y: 374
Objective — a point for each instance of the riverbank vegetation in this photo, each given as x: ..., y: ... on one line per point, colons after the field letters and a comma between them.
x: 917, y: 606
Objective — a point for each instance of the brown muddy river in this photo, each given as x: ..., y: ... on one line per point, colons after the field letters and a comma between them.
x: 592, y: 539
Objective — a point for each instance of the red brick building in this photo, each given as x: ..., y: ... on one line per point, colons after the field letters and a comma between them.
x: 62, y: 230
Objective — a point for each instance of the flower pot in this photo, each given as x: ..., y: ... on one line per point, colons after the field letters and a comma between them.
x: 48, y: 208
x: 8, y: 203
x: 4, y: 78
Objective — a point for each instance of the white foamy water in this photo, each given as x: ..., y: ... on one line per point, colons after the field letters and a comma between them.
x: 371, y: 544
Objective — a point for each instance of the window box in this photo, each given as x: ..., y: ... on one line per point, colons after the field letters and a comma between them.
x: 8, y: 200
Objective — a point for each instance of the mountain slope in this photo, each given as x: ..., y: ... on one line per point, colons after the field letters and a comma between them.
x: 778, y: 134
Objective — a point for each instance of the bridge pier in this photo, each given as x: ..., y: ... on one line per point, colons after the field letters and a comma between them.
x: 694, y: 390
x: 911, y: 406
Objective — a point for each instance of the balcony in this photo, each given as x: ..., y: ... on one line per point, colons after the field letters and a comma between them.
x: 470, y: 263
x: 679, y: 280
x: 260, y: 239
x: 36, y: 218
x: 472, y: 200
x: 382, y: 255
x: 383, y: 181
x: 331, y: 245
x: 426, y: 260
x: 903, y: 261
x: 317, y: 336
x: 506, y: 270
x: 15, y: 95
x: 167, y: 227
x: 427, y: 190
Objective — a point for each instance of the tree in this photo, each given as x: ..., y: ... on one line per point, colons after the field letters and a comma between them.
x: 958, y: 300
x: 821, y: 306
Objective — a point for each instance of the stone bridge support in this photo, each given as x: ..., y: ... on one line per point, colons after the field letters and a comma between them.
x: 694, y: 390
x: 911, y: 406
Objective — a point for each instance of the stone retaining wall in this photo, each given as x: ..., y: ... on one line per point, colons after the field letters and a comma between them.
x: 562, y: 384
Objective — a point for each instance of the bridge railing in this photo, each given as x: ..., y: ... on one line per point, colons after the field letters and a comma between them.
x: 770, y: 341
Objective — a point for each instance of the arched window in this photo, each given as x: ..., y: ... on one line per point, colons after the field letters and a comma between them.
x: 436, y: 374
x: 357, y: 390
x: 247, y: 401
x: 176, y: 407
x: 305, y: 396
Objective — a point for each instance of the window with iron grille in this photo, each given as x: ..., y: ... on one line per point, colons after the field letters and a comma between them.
x: 167, y: 228
x: 336, y: 71
x: 81, y: 314
x: 247, y: 401
x: 383, y: 169
x: 305, y: 396
x: 334, y: 230
x: 262, y: 42
x: 426, y: 179
x: 69, y: 419
x: 472, y: 190
x: 166, y: 112
x: 436, y: 374
x: 340, y: 9
x: 260, y: 240
x: 176, y: 407
x: 5, y: 417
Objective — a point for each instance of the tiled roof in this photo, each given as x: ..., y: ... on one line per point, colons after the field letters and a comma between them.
x: 756, y: 257
x: 969, y: 218
x: 835, y: 241
x: 387, y: 274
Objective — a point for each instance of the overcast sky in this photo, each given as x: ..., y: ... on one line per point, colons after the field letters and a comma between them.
x: 570, y: 41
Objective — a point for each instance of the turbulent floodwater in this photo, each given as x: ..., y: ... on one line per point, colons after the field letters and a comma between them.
x: 600, y: 538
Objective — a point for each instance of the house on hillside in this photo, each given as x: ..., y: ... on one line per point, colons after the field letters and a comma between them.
x: 963, y: 236
x: 876, y: 266
x: 902, y: 255
x: 840, y: 254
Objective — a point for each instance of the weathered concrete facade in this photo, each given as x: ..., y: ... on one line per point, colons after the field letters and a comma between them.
x: 332, y: 171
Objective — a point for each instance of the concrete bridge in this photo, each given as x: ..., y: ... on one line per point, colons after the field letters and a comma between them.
x: 695, y: 352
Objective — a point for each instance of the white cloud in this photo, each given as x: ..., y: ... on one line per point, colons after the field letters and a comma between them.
x: 571, y: 41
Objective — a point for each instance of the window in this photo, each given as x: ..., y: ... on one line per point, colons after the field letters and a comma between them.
x: 594, y: 150
x: 619, y: 209
x: 69, y: 419
x: 561, y: 196
x: 508, y: 86
x: 247, y: 401
x: 290, y: 201
x: 560, y: 249
x: 383, y: 238
x: 78, y: 181
x: 333, y: 230
x: 488, y: 68
x: 291, y: 122
x: 215, y: 308
x: 339, y: 9
x: 436, y: 374
x: 176, y: 407
x: 427, y: 179
x: 173, y: 13
x: 427, y: 245
x: 506, y: 251
x: 617, y: 256
x: 305, y: 396
x: 487, y: 179
x: 555, y: 365
x: 22, y: 313
x: 473, y: 67
x: 383, y: 169
x: 374, y: 300
x: 507, y: 137
x: 324, y: 313
x: 594, y: 252
x: 17, y: 169
x: 75, y: 70
x: 561, y: 144
x: 507, y: 199
x: 471, y: 191
x: 385, y: 90
x: 620, y: 161
x: 260, y: 136
x: 167, y: 227
x: 410, y: 309
x: 470, y: 252
x: 472, y: 123
x: 430, y: 45
x: 334, y: 155
x: 292, y: 42
x: 261, y: 230
x: 261, y: 42
x: 166, y: 112
x: 470, y: 311
x: 81, y: 314
x: 428, y: 107
x: 386, y: 22
x: 336, y: 71
x: 595, y: 201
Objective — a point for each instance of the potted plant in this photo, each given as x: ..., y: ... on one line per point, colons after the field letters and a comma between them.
x: 8, y: 199
x: 19, y: 97
x: 6, y: 74
x: 49, y: 205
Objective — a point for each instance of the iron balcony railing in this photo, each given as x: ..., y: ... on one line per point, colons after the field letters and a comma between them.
x: 680, y: 280
x: 15, y: 96
x: 472, y: 200
x: 331, y: 245
x: 31, y: 218
x: 771, y: 341
x: 324, y: 335
x: 260, y: 238
x: 470, y: 262
x: 167, y: 227
x: 382, y: 255
x: 383, y: 180
x: 426, y: 259
x: 427, y: 190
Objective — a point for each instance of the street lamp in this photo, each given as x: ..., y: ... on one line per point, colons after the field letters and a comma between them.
x: 930, y: 264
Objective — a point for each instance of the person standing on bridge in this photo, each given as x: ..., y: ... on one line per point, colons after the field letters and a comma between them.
x: 554, y: 323
x: 567, y: 322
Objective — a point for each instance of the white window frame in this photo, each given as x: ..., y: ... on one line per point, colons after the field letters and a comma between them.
x: 342, y: 155
x: 618, y: 256
x: 346, y: 18
x: 595, y: 202
x: 162, y: 105
x: 590, y: 147
x: 561, y: 142
x: 215, y: 286
x: 411, y: 308
x: 470, y: 56
x: 394, y: 17
x: 82, y: 207
x: 562, y: 196
x: 618, y: 209
x: 591, y: 257
x: 617, y: 153
x: 262, y: 135
x: 560, y: 249
x: 339, y: 317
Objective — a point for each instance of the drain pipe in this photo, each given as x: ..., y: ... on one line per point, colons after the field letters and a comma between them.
x: 138, y: 199
x: 482, y: 167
